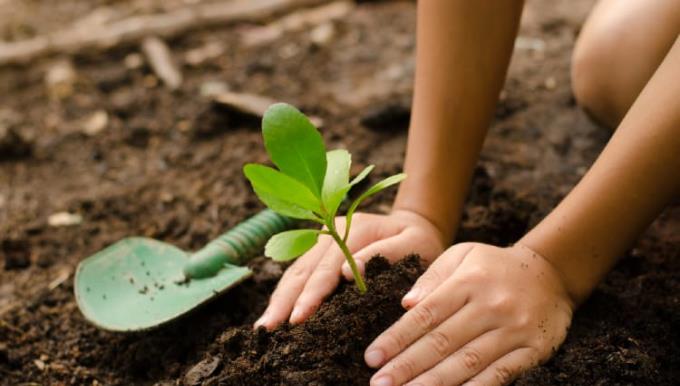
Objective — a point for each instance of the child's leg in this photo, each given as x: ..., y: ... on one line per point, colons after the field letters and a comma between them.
x: 619, y: 48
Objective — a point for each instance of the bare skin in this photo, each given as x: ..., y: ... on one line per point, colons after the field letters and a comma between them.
x: 606, y: 75
x: 481, y: 314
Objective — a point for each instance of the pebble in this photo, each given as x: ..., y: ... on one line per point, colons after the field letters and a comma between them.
x: 95, y: 123
x: 322, y: 34
x: 60, y: 78
x: 134, y: 61
x: 62, y: 219
x: 550, y: 83
x: 39, y: 364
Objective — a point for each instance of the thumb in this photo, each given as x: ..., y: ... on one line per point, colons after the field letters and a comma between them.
x: 436, y: 274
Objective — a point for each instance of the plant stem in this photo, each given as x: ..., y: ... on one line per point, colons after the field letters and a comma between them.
x: 361, y: 285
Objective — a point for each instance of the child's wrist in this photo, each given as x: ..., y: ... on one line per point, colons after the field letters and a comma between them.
x: 444, y: 231
x: 577, y: 285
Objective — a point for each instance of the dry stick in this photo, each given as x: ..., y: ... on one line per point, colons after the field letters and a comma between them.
x: 297, y: 21
x: 137, y: 27
x: 160, y: 59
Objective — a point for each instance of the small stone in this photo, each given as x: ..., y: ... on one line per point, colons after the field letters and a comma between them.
x: 134, y: 61
x: 39, y: 364
x: 60, y: 78
x: 527, y: 43
x: 95, y: 123
x: 63, y: 219
x: 201, y: 370
x: 322, y: 34
x: 550, y: 83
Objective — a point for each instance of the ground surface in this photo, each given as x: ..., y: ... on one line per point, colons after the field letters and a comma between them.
x: 168, y: 165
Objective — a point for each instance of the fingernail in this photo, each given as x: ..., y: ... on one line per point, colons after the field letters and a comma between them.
x: 296, y: 315
x: 412, y: 296
x: 374, y: 358
x: 262, y: 321
x: 383, y: 380
x: 346, y: 270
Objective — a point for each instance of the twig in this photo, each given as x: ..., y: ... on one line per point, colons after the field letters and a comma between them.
x: 296, y: 21
x: 134, y: 28
x: 161, y: 62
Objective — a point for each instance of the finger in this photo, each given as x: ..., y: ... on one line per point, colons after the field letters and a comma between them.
x: 291, y: 285
x: 426, y: 316
x: 391, y: 248
x: 440, y: 270
x: 470, y: 360
x: 463, y: 327
x: 323, y: 280
x: 507, y: 369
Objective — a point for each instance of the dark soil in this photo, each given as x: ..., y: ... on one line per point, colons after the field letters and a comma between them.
x: 328, y: 348
x: 168, y: 165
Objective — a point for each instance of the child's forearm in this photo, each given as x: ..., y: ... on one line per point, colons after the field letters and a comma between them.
x: 463, y: 50
x: 636, y: 175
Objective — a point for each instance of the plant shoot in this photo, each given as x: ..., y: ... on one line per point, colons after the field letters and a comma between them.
x: 310, y: 184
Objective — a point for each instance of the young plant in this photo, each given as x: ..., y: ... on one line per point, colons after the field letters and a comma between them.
x: 310, y: 184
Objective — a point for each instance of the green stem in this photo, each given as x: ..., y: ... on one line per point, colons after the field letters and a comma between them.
x: 358, y: 279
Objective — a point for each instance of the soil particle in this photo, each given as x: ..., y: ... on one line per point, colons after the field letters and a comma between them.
x: 328, y: 348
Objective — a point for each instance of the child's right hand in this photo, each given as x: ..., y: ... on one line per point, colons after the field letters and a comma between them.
x: 314, y: 276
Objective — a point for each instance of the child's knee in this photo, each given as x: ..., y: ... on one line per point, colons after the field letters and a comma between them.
x: 594, y: 84
x: 613, y: 60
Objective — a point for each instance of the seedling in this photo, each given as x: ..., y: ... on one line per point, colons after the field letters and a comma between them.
x: 310, y: 184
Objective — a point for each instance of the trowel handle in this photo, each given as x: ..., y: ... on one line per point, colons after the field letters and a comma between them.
x: 238, y: 245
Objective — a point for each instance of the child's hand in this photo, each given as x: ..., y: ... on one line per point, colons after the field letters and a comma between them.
x: 480, y: 315
x: 315, y: 275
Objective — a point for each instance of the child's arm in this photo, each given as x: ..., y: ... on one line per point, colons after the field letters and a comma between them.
x: 633, y: 179
x: 486, y: 314
x: 463, y: 52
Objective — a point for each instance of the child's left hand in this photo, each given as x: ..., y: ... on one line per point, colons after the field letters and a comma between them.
x: 479, y: 315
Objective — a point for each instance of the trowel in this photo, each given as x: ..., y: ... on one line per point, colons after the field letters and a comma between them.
x: 140, y: 283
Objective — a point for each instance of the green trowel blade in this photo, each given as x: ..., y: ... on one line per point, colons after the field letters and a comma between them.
x: 138, y: 283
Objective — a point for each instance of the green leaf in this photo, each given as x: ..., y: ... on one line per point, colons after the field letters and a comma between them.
x: 360, y: 177
x: 281, y: 193
x: 336, y: 183
x: 295, y: 145
x: 288, y: 245
x: 387, y: 182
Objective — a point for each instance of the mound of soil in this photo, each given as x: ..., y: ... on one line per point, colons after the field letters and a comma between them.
x: 325, y: 350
